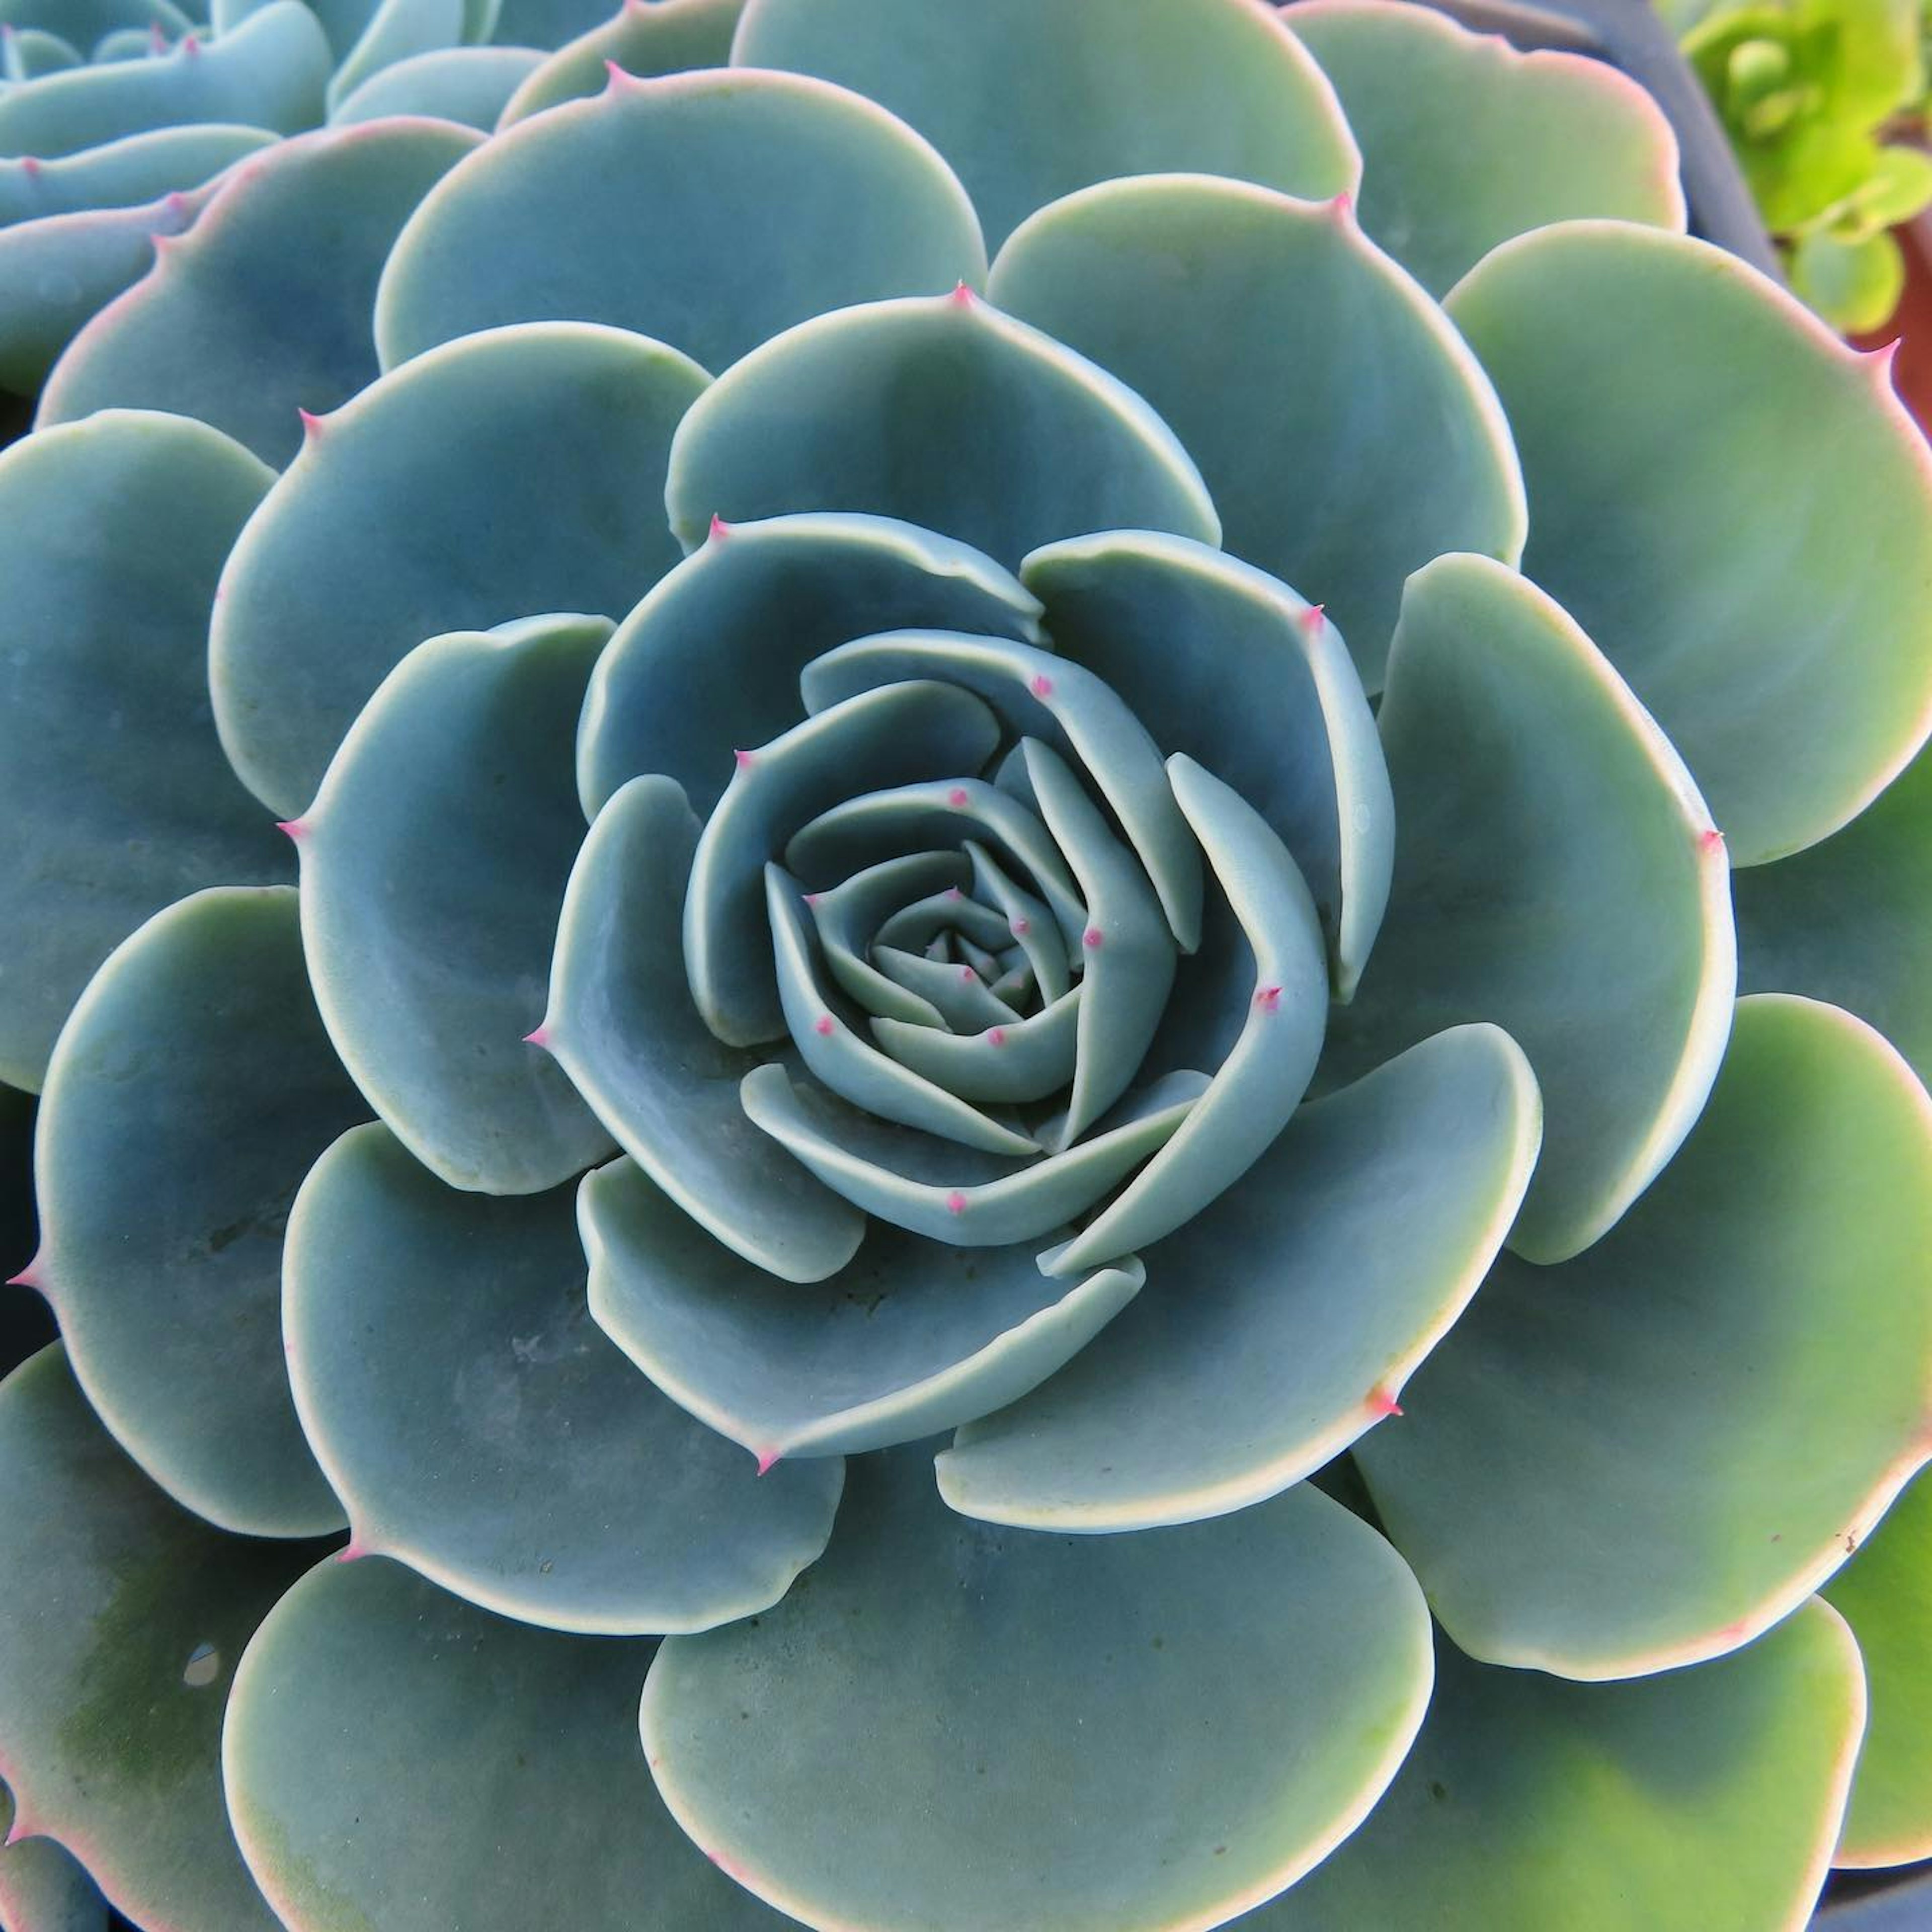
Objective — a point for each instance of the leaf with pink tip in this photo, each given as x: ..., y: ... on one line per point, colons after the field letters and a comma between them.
x: 1558, y: 874
x: 262, y: 309
x: 396, y: 1759
x: 1031, y: 99
x: 621, y: 1023
x: 643, y: 37
x: 553, y: 435
x: 908, y: 1339
x: 1644, y: 1457
x: 125, y: 1617
x: 1884, y: 1593
x: 1297, y: 1304
x: 42, y: 1888
x: 1850, y: 920
x: 1279, y: 1656
x: 1734, y: 504
x: 113, y: 790
x: 899, y: 389
x: 469, y: 86
x: 117, y: 174
x: 271, y: 72
x: 1437, y: 108
x: 433, y: 863
x: 558, y: 1486
x: 1680, y: 1803
x: 1342, y: 426
x: 187, y: 1096
x: 747, y: 228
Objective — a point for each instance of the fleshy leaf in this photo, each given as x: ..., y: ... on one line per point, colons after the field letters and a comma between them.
x: 557, y: 1486
x: 1287, y: 1313
x: 1884, y: 1593
x: 644, y: 37
x: 555, y: 432
x: 709, y: 663
x: 187, y: 1096
x: 1031, y: 99
x: 621, y: 1023
x: 397, y: 30
x: 270, y: 73
x: 1280, y: 1656
x: 117, y: 174
x: 897, y: 389
x: 1557, y: 873
x: 747, y: 228
x: 1234, y: 669
x: 1850, y: 921
x: 396, y: 1758
x: 909, y: 1338
x: 1643, y: 1458
x: 1695, y: 1799
x: 262, y: 308
x: 1342, y: 426
x: 124, y: 1617
x: 470, y: 86
x: 115, y: 795
x: 434, y: 862
x: 43, y: 1888
x: 1734, y: 504
x: 1436, y: 108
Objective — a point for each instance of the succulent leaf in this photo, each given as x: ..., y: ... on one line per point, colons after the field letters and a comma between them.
x: 470, y: 86
x: 558, y: 431
x: 563, y: 1490
x: 117, y: 174
x: 111, y: 534
x: 188, y: 1094
x: 1292, y: 1621
x: 1648, y: 1456
x: 433, y: 863
x: 1286, y: 1315
x: 42, y: 1887
x: 1558, y: 873
x: 1581, y: 137
x: 895, y: 385
x: 277, y: 275
x: 1774, y: 632
x: 643, y: 37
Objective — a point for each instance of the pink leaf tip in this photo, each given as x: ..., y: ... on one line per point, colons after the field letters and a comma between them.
x: 29, y: 1276
x: 1342, y: 207
x: 1711, y: 839
x: 962, y: 297
x: 18, y: 1829
x: 955, y: 1202
x: 1042, y: 686
x: 615, y: 76
x: 744, y: 760
x: 720, y: 528
x: 191, y: 45
x: 312, y: 425
x: 537, y: 1036
x: 1092, y: 938
x: 30, y: 167
x: 813, y: 898
x: 1313, y: 618
x: 296, y: 829
x: 959, y: 798
x: 1268, y: 999
x: 823, y: 1026
x: 953, y: 893
x: 768, y: 1460
x: 1382, y: 1402
x: 351, y: 1552
x: 1879, y: 361
x: 178, y: 203
x: 996, y: 1036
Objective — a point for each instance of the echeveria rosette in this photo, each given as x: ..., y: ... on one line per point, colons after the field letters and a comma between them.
x: 999, y: 993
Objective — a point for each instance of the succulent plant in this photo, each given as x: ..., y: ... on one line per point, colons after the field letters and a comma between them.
x: 1045, y: 954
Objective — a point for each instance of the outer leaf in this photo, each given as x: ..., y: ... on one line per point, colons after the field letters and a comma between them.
x: 434, y: 862
x: 1645, y: 1458
x: 113, y: 789
x: 1344, y: 430
x: 558, y: 1486
x: 188, y: 1095
x: 1557, y: 873
x: 747, y: 229
x: 1688, y: 1801
x: 555, y: 434
x: 644, y: 37
x: 1058, y: 446
x: 263, y: 308
x: 1734, y: 506
x: 1031, y: 99
x: 1285, y: 1315
x: 910, y: 1337
x: 42, y: 1888
x: 621, y: 1022
x: 395, y: 1758
x: 1466, y: 143
x: 124, y: 1617
x: 1280, y: 1656
x: 1884, y: 1593
x: 1851, y: 920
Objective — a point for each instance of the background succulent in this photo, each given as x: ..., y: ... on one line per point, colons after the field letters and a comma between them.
x: 1106, y: 869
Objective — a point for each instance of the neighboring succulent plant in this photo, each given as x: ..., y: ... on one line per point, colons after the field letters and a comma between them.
x: 1824, y: 103
x: 119, y: 119
x: 990, y: 974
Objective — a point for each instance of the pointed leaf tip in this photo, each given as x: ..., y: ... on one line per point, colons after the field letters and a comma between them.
x: 538, y: 1035
x: 312, y: 424
x: 962, y: 297
x: 30, y: 167
x: 296, y: 829
x: 768, y: 1461
x: 1382, y: 1402
x: 720, y: 528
